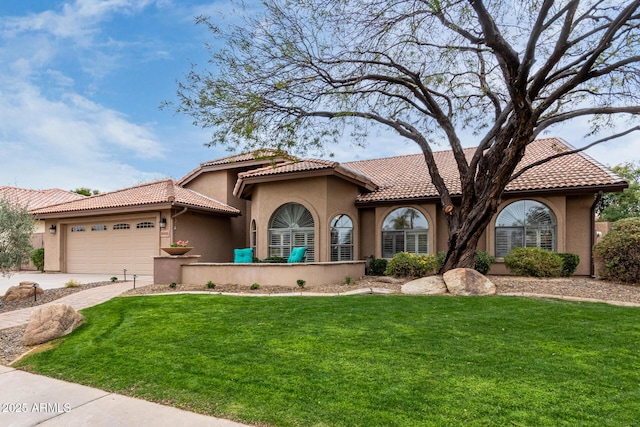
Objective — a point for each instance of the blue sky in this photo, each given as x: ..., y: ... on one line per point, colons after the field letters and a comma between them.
x: 80, y: 86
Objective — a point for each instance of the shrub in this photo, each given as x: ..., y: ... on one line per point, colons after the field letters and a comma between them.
x: 347, y: 280
x: 275, y: 259
x: 71, y: 284
x: 172, y: 285
x: 618, y: 253
x: 211, y: 285
x: 377, y: 267
x: 113, y: 279
x: 482, y: 265
x: 483, y: 262
x: 569, y: 264
x: 440, y: 259
x: 411, y: 265
x: 301, y: 283
x: 37, y: 258
x: 255, y: 286
x: 535, y: 262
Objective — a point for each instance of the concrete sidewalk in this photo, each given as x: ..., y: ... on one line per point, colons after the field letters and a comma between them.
x: 29, y: 400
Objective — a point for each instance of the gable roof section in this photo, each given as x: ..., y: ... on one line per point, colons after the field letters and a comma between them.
x: 34, y: 199
x: 141, y: 197
x: 295, y: 169
x: 255, y: 158
x: 407, y: 177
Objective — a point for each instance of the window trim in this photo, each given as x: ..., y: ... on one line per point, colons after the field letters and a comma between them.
x: 403, y: 235
x: 349, y: 246
x: 290, y: 237
x: 540, y: 228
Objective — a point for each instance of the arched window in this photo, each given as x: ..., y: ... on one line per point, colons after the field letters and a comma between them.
x: 525, y: 223
x: 341, y: 238
x: 405, y: 230
x: 254, y: 236
x: 291, y: 226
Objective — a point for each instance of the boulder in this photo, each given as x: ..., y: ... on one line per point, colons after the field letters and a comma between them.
x: 51, y: 321
x: 466, y: 281
x: 20, y: 292
x: 431, y: 285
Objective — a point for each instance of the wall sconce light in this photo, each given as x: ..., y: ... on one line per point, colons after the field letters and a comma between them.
x: 52, y: 229
x: 163, y: 222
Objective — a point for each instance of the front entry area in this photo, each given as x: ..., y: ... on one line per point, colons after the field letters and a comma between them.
x: 111, y: 246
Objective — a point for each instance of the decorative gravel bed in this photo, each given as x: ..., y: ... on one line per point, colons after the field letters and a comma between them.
x: 576, y: 287
x: 48, y: 296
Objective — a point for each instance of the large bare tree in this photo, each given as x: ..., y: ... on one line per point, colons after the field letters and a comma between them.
x: 296, y: 74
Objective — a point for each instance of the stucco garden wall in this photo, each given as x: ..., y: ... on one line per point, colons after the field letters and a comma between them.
x: 315, y: 274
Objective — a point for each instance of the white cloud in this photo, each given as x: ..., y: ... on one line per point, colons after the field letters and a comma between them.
x: 78, y: 141
x: 77, y: 20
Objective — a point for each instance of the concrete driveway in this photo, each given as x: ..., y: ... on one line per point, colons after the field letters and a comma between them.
x: 58, y: 280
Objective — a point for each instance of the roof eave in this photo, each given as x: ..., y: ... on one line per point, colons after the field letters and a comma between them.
x: 586, y: 189
x: 105, y: 211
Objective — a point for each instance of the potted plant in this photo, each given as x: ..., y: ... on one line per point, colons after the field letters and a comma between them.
x: 180, y: 247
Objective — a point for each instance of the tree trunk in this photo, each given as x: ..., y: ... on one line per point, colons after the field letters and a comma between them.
x: 462, y: 252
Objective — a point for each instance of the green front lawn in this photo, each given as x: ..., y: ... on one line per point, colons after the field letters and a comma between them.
x: 363, y: 360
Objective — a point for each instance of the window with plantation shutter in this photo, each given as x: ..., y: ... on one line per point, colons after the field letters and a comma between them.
x: 525, y: 223
x: 341, y: 238
x: 254, y: 237
x: 291, y: 226
x: 405, y: 230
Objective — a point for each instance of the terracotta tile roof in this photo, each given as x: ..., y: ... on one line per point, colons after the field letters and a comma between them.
x: 294, y: 167
x: 263, y: 156
x: 34, y: 199
x: 406, y: 177
x: 260, y: 154
x: 160, y: 192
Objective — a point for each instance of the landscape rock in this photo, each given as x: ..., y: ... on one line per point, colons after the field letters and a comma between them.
x: 51, y: 321
x: 431, y: 285
x: 20, y: 292
x: 468, y: 282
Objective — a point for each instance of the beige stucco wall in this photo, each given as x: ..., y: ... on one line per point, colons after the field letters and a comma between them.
x: 210, y: 236
x: 324, y: 197
x: 315, y: 274
x: 367, y: 232
x: 578, y: 236
x: 214, y: 184
x: 219, y: 186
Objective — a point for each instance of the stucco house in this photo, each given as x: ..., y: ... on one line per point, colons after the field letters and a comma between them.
x: 339, y: 211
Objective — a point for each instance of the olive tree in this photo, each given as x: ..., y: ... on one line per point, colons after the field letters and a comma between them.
x: 298, y: 74
x: 16, y: 227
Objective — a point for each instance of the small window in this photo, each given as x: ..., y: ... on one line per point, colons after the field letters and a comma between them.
x: 146, y: 224
x: 254, y: 236
x: 341, y: 238
x: 77, y: 228
x: 121, y: 226
x: 99, y: 227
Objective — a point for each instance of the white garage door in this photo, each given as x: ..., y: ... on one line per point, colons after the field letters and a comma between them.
x: 111, y: 246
